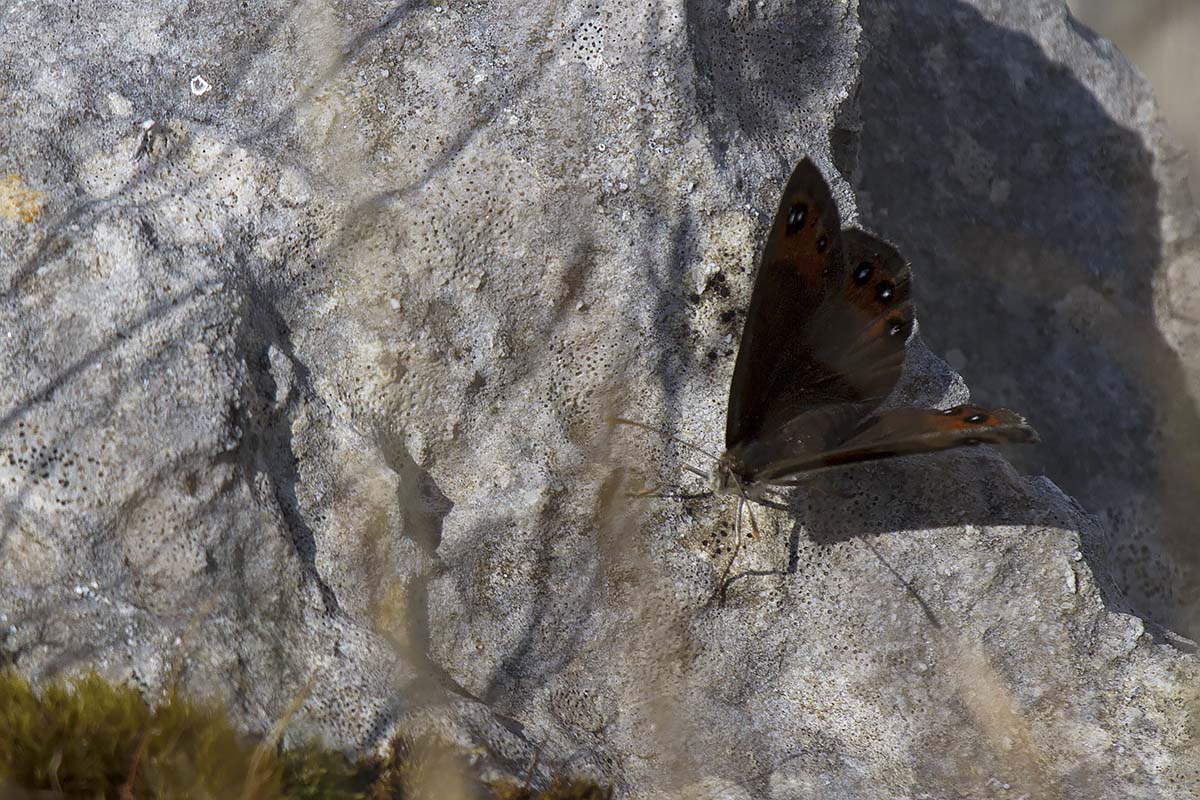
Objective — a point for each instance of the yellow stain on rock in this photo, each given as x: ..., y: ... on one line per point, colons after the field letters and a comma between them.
x: 18, y: 201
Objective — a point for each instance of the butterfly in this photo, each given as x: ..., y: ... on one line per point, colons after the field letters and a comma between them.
x: 823, y: 346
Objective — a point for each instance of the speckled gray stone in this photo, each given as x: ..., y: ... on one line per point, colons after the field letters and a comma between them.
x: 308, y: 361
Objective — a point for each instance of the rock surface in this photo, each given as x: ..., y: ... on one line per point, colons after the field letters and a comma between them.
x: 1019, y: 160
x: 313, y: 314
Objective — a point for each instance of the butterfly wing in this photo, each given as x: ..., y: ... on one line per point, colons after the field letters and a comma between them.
x: 907, y: 431
x: 861, y: 331
x: 800, y: 264
x: 824, y: 343
x: 827, y: 324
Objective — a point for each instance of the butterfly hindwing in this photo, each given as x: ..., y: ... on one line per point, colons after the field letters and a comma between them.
x: 859, y: 332
x: 800, y: 265
x: 867, y: 333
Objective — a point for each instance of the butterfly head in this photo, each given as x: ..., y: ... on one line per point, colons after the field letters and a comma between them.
x: 729, y: 476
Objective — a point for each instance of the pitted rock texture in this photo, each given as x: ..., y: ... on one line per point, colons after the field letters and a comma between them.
x: 306, y: 378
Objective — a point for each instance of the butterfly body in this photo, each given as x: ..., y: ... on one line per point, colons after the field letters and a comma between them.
x: 829, y: 319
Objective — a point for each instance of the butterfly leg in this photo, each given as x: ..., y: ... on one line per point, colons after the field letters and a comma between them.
x: 737, y: 548
x: 762, y: 501
x: 753, y: 522
x: 692, y: 495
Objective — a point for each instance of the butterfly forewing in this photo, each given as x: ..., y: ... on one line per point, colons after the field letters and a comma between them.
x: 801, y: 264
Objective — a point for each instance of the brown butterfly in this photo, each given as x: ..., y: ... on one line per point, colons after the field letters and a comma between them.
x: 824, y: 342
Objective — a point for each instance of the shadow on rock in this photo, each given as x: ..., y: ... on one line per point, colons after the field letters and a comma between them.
x: 1034, y: 235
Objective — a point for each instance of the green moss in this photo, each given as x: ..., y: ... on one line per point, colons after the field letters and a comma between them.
x: 428, y: 768
x: 311, y: 772
x: 559, y: 790
x: 90, y: 738
x: 94, y: 739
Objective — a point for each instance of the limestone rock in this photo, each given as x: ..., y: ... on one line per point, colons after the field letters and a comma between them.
x: 307, y: 363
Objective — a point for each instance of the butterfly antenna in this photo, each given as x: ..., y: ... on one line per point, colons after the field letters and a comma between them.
x: 662, y: 433
x: 657, y: 491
